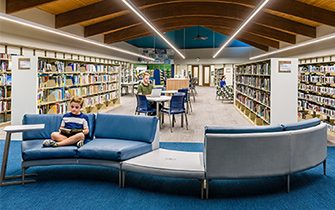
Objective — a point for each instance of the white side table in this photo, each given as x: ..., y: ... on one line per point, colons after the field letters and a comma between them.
x: 9, y: 130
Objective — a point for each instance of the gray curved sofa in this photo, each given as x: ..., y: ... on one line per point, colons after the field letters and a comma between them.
x: 241, y: 152
x: 233, y: 153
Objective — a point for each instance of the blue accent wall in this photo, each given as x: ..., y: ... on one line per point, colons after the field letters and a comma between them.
x: 177, y: 37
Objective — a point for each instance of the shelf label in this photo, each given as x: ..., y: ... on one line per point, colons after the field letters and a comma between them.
x: 285, y: 66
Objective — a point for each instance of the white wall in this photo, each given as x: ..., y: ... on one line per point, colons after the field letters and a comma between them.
x: 233, y: 55
x: 228, y: 55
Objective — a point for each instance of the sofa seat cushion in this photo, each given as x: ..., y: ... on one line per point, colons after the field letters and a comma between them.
x: 236, y: 130
x: 302, y: 124
x: 113, y: 149
x: 33, y: 150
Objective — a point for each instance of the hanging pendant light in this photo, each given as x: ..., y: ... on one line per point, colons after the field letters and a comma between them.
x: 200, y: 37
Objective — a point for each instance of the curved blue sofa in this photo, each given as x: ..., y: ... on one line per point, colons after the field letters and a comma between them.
x: 127, y: 143
x: 112, y: 139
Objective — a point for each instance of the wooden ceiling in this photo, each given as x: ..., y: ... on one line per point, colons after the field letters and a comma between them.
x: 281, y: 20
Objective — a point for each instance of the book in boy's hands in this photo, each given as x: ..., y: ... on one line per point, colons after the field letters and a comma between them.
x: 68, y: 132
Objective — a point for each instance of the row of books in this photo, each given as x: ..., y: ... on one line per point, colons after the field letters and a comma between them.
x: 259, y: 96
x: 318, y: 79
x: 62, y: 107
x: 318, y: 99
x: 258, y: 69
x: 5, y: 106
x: 66, y: 80
x: 5, y: 56
x: 261, y: 110
x: 258, y: 82
x: 317, y: 89
x: 58, y: 108
x: 60, y: 66
x: 5, y: 79
x: 5, y: 92
x: 307, y: 105
x: 314, y: 68
x: 52, y: 95
x: 5, y: 65
x: 99, y: 99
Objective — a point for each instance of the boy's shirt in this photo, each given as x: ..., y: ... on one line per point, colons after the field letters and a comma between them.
x: 72, y: 121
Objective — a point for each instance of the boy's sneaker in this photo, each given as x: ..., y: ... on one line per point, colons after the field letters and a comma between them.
x: 80, y: 143
x: 50, y: 143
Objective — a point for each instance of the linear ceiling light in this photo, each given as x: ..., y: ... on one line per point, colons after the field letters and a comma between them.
x: 302, y: 44
x: 65, y: 34
x: 258, y: 9
x: 131, y: 6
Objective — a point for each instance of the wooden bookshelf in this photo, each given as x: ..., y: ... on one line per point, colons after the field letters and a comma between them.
x: 5, y: 87
x: 59, y: 80
x: 52, y: 82
x: 317, y: 90
x: 264, y: 93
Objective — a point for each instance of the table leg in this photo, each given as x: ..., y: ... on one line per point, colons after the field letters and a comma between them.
x: 3, y: 176
x: 5, y: 158
x: 158, y: 114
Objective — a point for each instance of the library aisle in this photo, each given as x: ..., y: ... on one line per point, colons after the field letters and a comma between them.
x: 206, y: 111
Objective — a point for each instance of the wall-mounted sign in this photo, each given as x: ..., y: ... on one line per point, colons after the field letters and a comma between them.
x: 24, y: 64
x: 285, y: 66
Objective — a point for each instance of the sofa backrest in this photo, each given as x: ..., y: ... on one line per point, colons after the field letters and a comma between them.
x: 302, y: 124
x: 308, y: 147
x: 52, y: 123
x: 246, y: 155
x: 236, y: 130
x: 126, y: 127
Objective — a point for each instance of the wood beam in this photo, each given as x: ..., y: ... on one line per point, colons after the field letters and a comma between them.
x: 201, y: 9
x: 107, y: 7
x: 303, y: 10
x: 90, y: 12
x: 17, y: 5
x: 202, y: 20
x: 109, y: 39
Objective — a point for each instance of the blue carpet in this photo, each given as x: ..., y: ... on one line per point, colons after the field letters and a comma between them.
x: 87, y: 187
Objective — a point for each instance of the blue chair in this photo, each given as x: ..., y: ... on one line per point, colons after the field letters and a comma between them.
x: 143, y: 106
x: 187, y: 99
x: 177, y: 106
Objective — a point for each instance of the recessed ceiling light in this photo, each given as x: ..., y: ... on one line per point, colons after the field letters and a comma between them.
x: 259, y: 8
x: 131, y: 6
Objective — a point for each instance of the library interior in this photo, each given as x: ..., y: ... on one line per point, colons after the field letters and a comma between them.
x: 150, y: 104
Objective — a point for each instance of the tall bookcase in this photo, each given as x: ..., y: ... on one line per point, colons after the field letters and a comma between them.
x: 5, y: 87
x: 127, y: 73
x: 317, y: 89
x: 219, y: 72
x: 45, y: 85
x: 265, y: 91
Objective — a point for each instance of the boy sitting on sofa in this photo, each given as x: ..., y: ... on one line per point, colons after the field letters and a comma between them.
x: 73, y: 128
